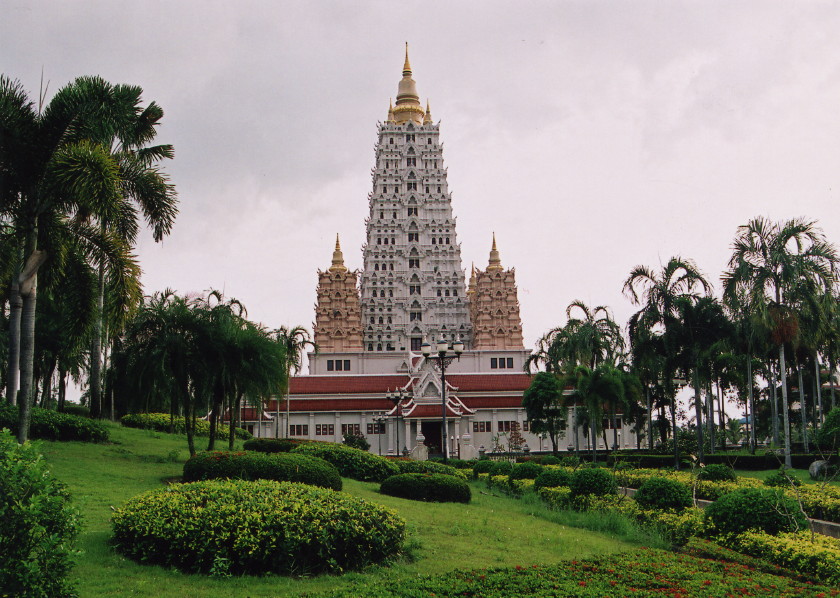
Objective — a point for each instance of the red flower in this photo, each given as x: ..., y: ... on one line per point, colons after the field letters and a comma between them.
x: 581, y: 583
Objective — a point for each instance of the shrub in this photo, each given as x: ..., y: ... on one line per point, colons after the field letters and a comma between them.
x: 828, y: 438
x: 593, y: 481
x: 552, y: 478
x: 717, y: 473
x: 525, y: 471
x: 412, y: 466
x: 160, y: 422
x: 76, y: 409
x: 282, y: 467
x: 761, y: 509
x: 356, y: 441
x: 781, y: 479
x: 500, y: 468
x: 482, y: 466
x: 665, y: 494
x: 274, y: 445
x: 457, y: 463
x: 52, y: 425
x: 37, y: 524
x: 549, y: 460
x: 570, y: 461
x: 818, y: 555
x: 351, y: 463
x: 432, y: 487
x: 238, y: 527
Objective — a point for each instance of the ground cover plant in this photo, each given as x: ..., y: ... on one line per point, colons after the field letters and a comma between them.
x: 432, y: 487
x: 52, y: 425
x: 234, y: 527
x: 281, y: 467
x: 38, y: 524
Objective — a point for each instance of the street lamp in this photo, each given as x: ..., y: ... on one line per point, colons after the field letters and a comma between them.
x: 442, y: 361
x: 379, y: 418
x: 397, y: 398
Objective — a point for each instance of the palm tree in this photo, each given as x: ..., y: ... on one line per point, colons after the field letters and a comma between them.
x: 54, y: 176
x: 775, y: 263
x: 294, y: 342
x: 657, y: 294
x: 596, y: 388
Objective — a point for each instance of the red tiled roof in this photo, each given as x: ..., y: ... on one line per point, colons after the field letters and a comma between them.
x: 491, y: 402
x: 332, y: 405
x: 430, y: 411
x: 489, y: 382
x: 248, y: 414
x: 306, y: 385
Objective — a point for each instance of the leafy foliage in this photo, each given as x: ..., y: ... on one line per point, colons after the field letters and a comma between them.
x: 761, y: 509
x: 351, y: 462
x: 500, y: 468
x: 356, y: 441
x: 237, y: 527
x: 592, y: 481
x: 52, y: 425
x: 780, y: 479
x: 432, y: 487
x: 482, y: 466
x: 828, y: 437
x: 717, y: 473
x: 523, y: 471
x: 551, y: 478
x: 818, y: 555
x: 37, y: 525
x: 282, y: 467
x: 413, y: 466
x: 665, y: 494
x: 274, y: 445
x: 160, y: 422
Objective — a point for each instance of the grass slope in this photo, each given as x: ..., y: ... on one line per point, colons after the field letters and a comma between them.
x: 491, y: 531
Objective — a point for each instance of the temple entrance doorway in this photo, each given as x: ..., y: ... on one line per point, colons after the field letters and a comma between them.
x: 431, y: 430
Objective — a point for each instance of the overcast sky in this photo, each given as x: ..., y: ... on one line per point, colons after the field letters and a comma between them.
x: 590, y: 136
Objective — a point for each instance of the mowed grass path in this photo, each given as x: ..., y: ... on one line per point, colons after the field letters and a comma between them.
x: 491, y: 531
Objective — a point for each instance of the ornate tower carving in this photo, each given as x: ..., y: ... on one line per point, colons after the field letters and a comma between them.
x: 494, y: 308
x: 412, y: 284
x: 338, y: 324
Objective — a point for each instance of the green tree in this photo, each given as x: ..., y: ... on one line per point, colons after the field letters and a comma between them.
x: 294, y: 341
x: 597, y: 388
x: 545, y: 407
x: 776, y: 264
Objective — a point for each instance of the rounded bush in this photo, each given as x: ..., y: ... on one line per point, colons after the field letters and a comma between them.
x: 761, y: 509
x: 161, y: 422
x: 663, y: 493
x: 37, y: 524
x: 482, y: 466
x: 552, y: 478
x: 238, y: 527
x: 781, y: 479
x: 500, y: 468
x: 717, y: 473
x: 456, y: 463
x: 431, y: 487
x: 52, y: 425
x: 525, y: 471
x: 282, y: 467
x: 274, y: 445
x: 351, y: 463
x: 549, y: 460
x: 594, y: 481
x: 412, y: 466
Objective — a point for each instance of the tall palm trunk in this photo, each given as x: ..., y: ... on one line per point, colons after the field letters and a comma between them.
x: 674, y: 432
x: 27, y: 361
x: 649, y: 419
x: 751, y: 400
x: 46, y: 396
x: 818, y: 384
x: 710, y: 416
x: 774, y: 402
x: 62, y: 388
x: 96, y: 348
x: 721, y: 415
x: 698, y: 413
x: 802, y: 406
x: 13, y: 370
x: 783, y: 376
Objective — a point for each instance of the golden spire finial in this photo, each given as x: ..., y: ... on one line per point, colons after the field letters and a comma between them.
x: 427, y: 119
x: 471, y: 287
x: 390, y: 111
x: 495, y: 263
x: 407, y: 65
x: 338, y: 257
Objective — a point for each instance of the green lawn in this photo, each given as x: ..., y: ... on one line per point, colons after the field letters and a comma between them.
x: 490, y: 531
x: 799, y: 474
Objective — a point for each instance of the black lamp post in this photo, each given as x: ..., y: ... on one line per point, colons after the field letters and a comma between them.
x: 397, y: 398
x: 442, y: 361
x: 379, y: 418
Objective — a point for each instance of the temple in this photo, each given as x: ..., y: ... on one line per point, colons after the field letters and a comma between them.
x: 370, y: 376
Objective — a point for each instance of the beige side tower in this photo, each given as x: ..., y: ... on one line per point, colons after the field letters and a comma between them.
x: 338, y: 317
x: 494, y: 307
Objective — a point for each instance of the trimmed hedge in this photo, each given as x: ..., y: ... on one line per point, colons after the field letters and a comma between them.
x: 235, y: 527
x: 282, y: 467
x: 717, y: 473
x: 665, y: 494
x: 37, y: 524
x: 762, y: 509
x: 500, y: 468
x: 552, y: 478
x: 780, y: 479
x: 351, y: 463
x: 818, y: 556
x: 736, y: 461
x: 160, y: 423
x: 525, y: 471
x: 274, y: 445
x: 412, y: 466
x: 52, y: 425
x: 482, y: 466
x: 592, y: 481
x: 431, y: 487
